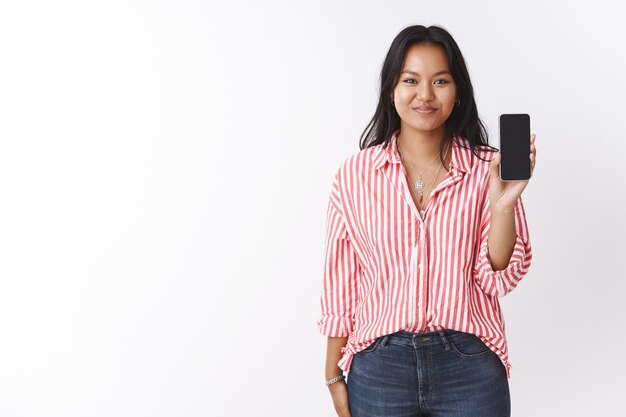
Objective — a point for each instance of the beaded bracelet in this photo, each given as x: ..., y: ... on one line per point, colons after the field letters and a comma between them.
x: 335, y: 379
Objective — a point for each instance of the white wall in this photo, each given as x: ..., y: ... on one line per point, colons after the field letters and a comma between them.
x: 165, y: 169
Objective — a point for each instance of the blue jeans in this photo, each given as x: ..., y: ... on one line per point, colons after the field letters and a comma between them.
x: 435, y: 374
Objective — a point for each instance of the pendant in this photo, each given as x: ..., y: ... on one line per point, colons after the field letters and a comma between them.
x: 420, y: 185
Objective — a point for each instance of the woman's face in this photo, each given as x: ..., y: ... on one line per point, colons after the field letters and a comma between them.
x: 423, y: 84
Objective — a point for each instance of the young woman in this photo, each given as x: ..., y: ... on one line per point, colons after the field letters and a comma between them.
x: 422, y: 238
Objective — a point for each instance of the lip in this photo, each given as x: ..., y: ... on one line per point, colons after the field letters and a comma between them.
x: 425, y: 110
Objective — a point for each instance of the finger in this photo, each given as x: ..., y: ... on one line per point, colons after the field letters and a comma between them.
x: 495, y: 161
x: 494, y: 170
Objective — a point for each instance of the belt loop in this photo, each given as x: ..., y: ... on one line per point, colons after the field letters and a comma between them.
x: 446, y: 344
x: 384, y: 339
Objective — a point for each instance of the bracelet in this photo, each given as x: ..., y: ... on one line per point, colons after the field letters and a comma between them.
x: 335, y: 379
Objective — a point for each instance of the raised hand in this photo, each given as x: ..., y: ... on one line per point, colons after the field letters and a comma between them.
x: 504, y: 194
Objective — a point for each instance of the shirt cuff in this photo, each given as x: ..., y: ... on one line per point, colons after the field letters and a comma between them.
x: 334, y: 326
x: 501, y: 282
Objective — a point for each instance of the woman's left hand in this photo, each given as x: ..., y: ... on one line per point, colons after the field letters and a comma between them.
x: 504, y: 194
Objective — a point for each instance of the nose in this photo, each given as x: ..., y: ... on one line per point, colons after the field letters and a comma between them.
x: 424, y: 92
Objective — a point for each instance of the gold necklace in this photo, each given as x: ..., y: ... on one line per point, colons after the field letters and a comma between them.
x: 419, y: 184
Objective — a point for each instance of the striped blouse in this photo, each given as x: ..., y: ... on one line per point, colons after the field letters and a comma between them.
x: 389, y: 267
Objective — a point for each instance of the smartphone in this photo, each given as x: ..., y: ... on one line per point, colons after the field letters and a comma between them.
x: 514, y: 147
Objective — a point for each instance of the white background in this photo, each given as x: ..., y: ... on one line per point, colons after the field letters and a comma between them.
x: 164, y: 174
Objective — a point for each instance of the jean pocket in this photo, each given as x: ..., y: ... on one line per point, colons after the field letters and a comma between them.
x: 375, y: 344
x: 468, y: 345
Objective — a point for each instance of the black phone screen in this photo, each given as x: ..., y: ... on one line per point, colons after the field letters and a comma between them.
x: 514, y: 147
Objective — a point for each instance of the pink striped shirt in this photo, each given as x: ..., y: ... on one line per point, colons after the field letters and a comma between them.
x: 387, y: 267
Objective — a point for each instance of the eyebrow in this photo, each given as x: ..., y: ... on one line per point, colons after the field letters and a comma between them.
x: 437, y: 73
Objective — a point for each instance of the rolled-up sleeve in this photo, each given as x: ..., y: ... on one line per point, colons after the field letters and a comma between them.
x: 499, y: 283
x: 341, y: 269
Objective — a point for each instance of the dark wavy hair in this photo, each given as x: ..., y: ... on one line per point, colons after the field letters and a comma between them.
x: 463, y: 120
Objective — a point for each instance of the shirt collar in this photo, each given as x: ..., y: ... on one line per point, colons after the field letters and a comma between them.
x: 461, y: 159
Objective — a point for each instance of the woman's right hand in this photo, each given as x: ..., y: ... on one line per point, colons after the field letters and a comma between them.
x: 339, y: 389
x: 339, y: 392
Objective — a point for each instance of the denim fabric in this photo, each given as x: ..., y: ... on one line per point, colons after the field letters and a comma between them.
x: 444, y: 373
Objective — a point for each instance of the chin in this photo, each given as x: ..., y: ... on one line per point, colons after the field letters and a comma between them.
x: 425, y: 128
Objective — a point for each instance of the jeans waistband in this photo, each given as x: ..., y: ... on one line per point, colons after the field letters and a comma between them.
x: 410, y: 339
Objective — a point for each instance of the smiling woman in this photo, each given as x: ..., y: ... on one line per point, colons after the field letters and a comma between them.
x: 422, y: 238
x: 424, y: 99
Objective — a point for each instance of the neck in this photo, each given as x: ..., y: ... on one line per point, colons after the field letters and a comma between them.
x: 418, y: 146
